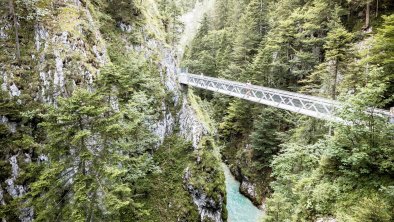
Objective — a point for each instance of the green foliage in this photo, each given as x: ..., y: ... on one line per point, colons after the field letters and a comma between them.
x: 249, y: 33
x: 203, y: 50
x: 170, y: 12
x: 382, y: 54
x: 93, y: 150
x: 98, y: 142
x: 264, y: 138
x: 371, y: 209
x: 278, y: 209
x: 129, y: 75
x: 207, y: 174
x: 128, y: 11
x: 237, y: 122
x: 319, y: 170
x: 186, y: 5
x: 351, y: 166
x: 19, y: 136
x: 166, y: 198
x: 337, y: 58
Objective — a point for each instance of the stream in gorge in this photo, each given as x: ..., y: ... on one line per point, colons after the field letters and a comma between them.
x: 239, y: 207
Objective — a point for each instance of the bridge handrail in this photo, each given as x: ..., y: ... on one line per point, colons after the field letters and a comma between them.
x: 278, y: 91
x: 334, y: 104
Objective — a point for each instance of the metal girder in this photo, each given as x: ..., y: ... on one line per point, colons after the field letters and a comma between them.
x: 308, y: 105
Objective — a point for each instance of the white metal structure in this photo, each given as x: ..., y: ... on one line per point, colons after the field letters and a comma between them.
x: 308, y: 105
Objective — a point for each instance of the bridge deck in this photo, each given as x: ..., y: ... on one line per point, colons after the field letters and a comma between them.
x: 308, y: 105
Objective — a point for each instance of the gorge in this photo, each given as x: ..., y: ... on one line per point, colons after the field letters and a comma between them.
x: 95, y: 125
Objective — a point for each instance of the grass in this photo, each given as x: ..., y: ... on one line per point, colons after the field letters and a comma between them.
x: 68, y: 20
x: 201, y: 115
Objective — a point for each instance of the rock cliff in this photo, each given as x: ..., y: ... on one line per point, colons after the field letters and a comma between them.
x: 66, y: 48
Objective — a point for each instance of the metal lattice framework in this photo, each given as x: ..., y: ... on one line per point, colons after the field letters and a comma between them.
x: 308, y: 105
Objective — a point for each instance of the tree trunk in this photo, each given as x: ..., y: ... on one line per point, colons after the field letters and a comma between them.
x: 260, y: 20
x: 367, y: 12
x: 15, y: 21
x: 377, y: 8
x: 335, y: 77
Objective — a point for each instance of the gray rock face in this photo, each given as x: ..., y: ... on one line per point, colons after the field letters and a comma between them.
x: 4, y: 29
x: 8, y: 85
x: 14, y: 91
x: 15, y: 190
x: 58, y: 80
x: 2, y: 202
x: 208, y: 208
x: 190, y: 126
x: 11, y: 125
x: 248, y: 189
x: 166, y: 125
x: 54, y: 48
x: 125, y: 27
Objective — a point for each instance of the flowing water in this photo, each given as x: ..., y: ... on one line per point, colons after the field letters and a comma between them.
x: 240, y: 208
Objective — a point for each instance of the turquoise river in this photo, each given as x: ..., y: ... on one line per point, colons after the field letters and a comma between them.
x: 240, y: 208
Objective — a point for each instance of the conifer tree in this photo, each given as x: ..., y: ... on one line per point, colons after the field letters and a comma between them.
x: 338, y: 55
x: 264, y: 138
x: 249, y: 33
x: 221, y: 13
x: 170, y: 12
x: 236, y: 123
x: 382, y: 55
x: 93, y: 162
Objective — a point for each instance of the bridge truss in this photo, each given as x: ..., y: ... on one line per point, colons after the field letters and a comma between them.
x: 299, y: 103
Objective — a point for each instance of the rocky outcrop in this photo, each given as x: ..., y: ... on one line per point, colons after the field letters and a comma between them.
x: 57, y: 72
x: 191, y: 128
x: 209, y: 209
x: 64, y: 58
x: 249, y: 190
x: 15, y: 190
x: 247, y: 187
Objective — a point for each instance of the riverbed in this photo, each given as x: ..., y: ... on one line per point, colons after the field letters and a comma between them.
x: 240, y: 208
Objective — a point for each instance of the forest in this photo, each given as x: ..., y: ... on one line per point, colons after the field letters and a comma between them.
x: 305, y: 169
x: 94, y: 125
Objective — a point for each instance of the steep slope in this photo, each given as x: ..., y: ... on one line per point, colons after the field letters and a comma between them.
x: 300, y: 168
x: 116, y: 51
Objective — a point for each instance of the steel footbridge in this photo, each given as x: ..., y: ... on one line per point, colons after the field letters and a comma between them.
x: 313, y: 106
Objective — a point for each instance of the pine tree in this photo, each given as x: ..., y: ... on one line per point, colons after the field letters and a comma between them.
x: 221, y: 13
x: 236, y: 123
x: 170, y: 12
x: 249, y: 33
x: 338, y: 55
x: 93, y: 162
x: 264, y: 138
x: 382, y: 55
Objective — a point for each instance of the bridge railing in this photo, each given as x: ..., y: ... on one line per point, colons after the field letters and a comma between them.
x: 308, y: 105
